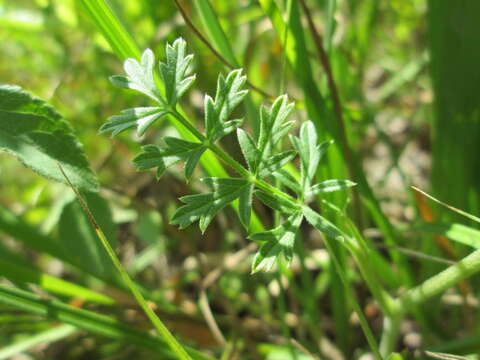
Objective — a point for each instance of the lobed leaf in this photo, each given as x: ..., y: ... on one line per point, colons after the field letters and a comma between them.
x: 229, y: 94
x: 310, y: 152
x: 175, y: 71
x: 249, y: 149
x: 272, y: 123
x: 175, y: 150
x: 279, y: 240
x: 139, y: 76
x: 141, y: 118
x: 203, y: 207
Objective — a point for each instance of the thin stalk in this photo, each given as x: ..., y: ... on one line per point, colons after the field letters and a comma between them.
x: 428, y: 289
x: 174, y: 345
x: 441, y: 281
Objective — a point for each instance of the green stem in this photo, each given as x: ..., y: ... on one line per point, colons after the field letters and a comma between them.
x: 174, y: 345
x: 428, y: 289
x: 442, y: 281
x: 390, y: 332
x: 159, y: 325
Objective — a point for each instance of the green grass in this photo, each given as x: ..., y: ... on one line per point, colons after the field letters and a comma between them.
x: 357, y: 271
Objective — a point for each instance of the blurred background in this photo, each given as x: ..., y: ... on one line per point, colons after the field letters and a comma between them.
x: 409, y: 82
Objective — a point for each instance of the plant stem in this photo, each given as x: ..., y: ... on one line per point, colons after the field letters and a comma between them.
x: 442, y: 281
x: 428, y: 289
x: 174, y: 345
x: 390, y: 332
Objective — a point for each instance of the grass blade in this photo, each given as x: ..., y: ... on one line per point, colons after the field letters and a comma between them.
x: 54, y: 334
x: 20, y: 273
x: 86, y: 320
x: 176, y: 347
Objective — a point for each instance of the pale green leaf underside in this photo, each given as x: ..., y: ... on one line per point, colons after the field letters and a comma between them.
x: 41, y: 139
x: 141, y: 118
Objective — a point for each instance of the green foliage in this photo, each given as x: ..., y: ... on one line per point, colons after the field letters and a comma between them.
x: 41, y: 139
x: 78, y: 239
x: 203, y: 207
x: 277, y: 241
x: 175, y: 71
x: 260, y: 155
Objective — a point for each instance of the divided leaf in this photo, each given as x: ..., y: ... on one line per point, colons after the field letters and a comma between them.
x: 229, y: 94
x: 310, y: 152
x: 203, y: 207
x: 139, y: 76
x: 278, y: 241
x: 249, y: 149
x: 175, y: 150
x: 272, y: 124
x: 175, y: 71
x: 272, y: 128
x: 141, y: 118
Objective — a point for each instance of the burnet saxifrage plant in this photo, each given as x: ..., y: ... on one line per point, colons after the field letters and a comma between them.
x: 263, y: 162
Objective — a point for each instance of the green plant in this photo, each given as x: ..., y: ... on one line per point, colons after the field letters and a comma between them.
x: 262, y: 161
x: 262, y: 164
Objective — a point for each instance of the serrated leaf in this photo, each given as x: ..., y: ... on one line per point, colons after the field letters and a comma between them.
x: 203, y: 207
x: 245, y: 206
x: 271, y: 121
x: 40, y: 138
x: 309, y: 152
x: 226, y: 128
x: 175, y: 71
x: 139, y: 76
x: 276, y: 162
x: 249, y: 149
x: 281, y: 131
x: 277, y: 203
x: 229, y: 94
x: 192, y: 161
x: 322, y: 224
x: 278, y: 241
x: 141, y: 118
x: 286, y: 179
x: 164, y: 157
x: 329, y: 186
